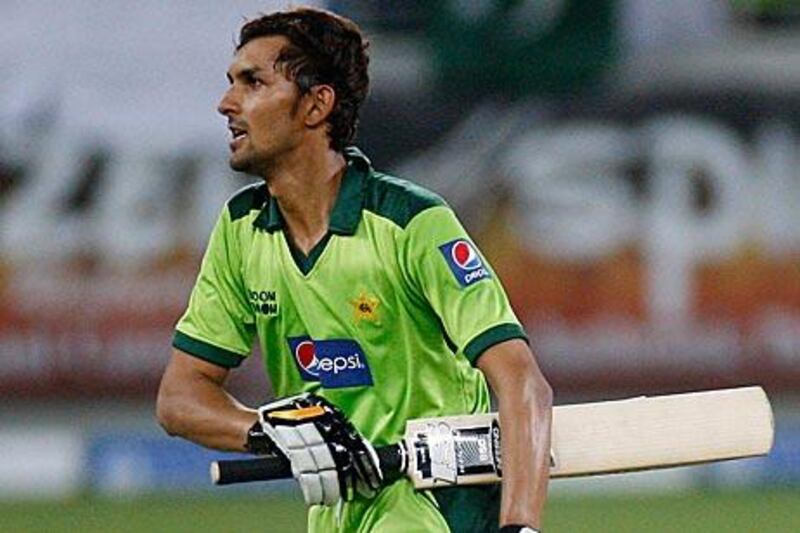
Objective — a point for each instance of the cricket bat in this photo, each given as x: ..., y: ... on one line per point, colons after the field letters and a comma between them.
x: 606, y: 437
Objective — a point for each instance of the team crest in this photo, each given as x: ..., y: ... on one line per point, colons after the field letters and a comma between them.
x: 365, y: 307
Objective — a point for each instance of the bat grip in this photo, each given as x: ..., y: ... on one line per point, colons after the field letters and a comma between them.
x: 226, y: 472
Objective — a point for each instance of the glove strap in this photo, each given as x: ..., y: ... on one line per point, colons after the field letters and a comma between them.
x: 258, y: 442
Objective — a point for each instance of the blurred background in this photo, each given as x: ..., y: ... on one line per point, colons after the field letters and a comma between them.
x: 629, y: 167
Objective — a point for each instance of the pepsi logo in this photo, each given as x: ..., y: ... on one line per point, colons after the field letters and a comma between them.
x: 464, y: 262
x: 333, y: 363
x: 465, y: 256
x: 306, y: 356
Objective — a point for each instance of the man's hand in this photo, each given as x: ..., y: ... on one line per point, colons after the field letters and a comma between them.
x: 329, y: 458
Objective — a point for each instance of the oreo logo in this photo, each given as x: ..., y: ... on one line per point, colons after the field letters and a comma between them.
x: 464, y: 261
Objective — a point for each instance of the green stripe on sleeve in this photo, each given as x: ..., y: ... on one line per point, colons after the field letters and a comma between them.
x: 207, y: 352
x: 492, y: 336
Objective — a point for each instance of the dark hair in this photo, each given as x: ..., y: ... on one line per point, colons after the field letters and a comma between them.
x: 323, y: 48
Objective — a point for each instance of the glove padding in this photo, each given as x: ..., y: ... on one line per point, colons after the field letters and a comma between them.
x: 329, y: 457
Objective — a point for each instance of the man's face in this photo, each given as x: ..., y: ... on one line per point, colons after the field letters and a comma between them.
x: 261, y: 106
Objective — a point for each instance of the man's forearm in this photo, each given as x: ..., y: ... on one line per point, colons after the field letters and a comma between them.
x: 525, y: 426
x: 195, y: 406
x: 525, y: 413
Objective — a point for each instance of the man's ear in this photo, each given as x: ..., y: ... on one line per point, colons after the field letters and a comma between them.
x: 320, y: 102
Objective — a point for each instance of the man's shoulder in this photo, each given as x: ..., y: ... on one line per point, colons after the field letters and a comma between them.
x: 398, y: 199
x: 250, y: 198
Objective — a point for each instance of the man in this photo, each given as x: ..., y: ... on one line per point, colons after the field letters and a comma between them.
x: 362, y: 288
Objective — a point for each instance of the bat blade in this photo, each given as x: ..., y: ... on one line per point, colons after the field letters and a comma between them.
x: 661, y: 431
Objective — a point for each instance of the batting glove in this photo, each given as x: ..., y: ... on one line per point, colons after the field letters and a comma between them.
x: 330, y: 459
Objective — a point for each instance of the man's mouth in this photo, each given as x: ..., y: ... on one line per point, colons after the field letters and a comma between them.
x: 237, y: 135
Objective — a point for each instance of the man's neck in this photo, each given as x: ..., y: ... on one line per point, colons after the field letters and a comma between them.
x: 306, y: 191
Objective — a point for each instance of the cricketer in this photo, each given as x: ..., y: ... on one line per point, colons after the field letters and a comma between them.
x: 371, y: 304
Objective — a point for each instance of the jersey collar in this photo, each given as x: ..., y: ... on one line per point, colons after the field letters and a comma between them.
x: 346, y: 211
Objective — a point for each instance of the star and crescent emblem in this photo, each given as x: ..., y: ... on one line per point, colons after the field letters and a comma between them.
x: 365, y: 307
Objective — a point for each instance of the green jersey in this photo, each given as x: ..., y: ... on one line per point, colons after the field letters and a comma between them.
x: 385, y: 317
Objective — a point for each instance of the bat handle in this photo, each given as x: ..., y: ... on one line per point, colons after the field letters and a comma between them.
x: 392, y: 459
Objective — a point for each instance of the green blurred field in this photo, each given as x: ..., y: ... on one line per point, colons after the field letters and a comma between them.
x: 762, y: 511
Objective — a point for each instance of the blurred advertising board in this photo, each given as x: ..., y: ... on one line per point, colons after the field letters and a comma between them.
x: 654, y: 244
x: 81, y: 335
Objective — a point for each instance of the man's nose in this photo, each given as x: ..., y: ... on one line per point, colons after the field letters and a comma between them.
x: 227, y: 105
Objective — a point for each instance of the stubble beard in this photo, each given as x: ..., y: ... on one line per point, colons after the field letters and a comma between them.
x: 248, y: 163
x: 253, y: 165
x: 239, y: 165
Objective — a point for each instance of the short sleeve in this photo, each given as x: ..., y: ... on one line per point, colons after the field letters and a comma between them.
x: 218, y: 324
x: 445, y: 267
